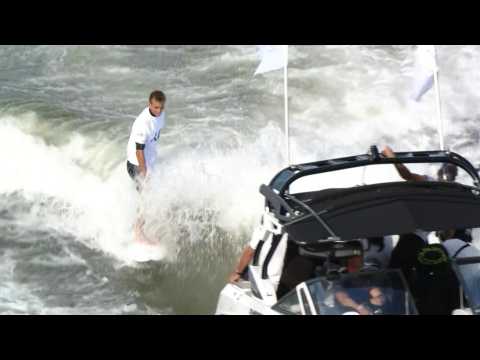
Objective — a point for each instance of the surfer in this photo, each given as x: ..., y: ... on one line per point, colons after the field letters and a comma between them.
x: 141, y: 148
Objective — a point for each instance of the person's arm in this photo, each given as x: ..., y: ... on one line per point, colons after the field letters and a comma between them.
x: 142, y: 167
x: 403, y: 171
x: 245, y: 259
x: 343, y: 298
x: 139, y: 134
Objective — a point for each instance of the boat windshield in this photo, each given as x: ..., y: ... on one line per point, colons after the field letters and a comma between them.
x: 373, y: 293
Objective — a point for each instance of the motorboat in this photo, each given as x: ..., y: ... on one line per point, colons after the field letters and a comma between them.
x: 310, y: 240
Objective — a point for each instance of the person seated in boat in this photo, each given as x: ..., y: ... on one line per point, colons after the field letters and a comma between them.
x: 377, y: 301
x: 447, y: 172
x: 454, y: 240
x: 464, y: 235
x: 357, y: 297
x: 352, y: 301
x: 376, y: 304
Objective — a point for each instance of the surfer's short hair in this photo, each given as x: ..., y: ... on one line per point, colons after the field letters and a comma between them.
x: 158, y: 96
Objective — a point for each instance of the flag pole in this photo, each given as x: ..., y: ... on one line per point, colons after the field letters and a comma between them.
x: 285, y: 92
x: 439, y: 109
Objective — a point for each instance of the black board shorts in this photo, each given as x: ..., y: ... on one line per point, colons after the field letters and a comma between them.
x: 133, y: 172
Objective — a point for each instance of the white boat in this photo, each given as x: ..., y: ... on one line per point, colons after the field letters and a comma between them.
x: 317, y: 234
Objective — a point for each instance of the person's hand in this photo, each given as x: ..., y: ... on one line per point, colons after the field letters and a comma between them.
x: 362, y: 310
x: 234, y: 277
x: 388, y: 152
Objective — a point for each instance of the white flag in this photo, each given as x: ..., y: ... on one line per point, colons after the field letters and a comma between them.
x: 273, y: 57
x: 425, y: 66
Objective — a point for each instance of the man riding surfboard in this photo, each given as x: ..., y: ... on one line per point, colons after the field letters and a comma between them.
x: 141, y: 148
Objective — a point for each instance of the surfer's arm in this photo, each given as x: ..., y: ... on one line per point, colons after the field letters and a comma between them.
x: 142, y: 167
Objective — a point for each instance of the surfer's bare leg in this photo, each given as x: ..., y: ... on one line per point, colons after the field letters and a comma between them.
x: 139, y: 226
x: 140, y: 234
x: 140, y: 180
x: 139, y: 229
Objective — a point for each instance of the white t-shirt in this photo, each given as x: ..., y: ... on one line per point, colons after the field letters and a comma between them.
x: 145, y: 130
x: 454, y: 245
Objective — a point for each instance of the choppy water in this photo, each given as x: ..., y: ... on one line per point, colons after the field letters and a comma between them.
x: 67, y: 204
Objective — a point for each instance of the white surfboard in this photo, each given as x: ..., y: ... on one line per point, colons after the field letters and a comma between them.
x: 143, y: 252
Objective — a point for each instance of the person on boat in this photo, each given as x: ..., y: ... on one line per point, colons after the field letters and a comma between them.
x: 245, y: 259
x: 141, y: 148
x: 365, y: 301
x: 276, y: 244
x: 447, y: 172
x: 377, y: 301
x: 454, y: 241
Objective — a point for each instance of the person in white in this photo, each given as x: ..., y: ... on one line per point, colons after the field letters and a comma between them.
x: 141, y: 147
x: 275, y: 266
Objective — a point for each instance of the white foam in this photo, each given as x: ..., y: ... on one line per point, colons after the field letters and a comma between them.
x: 343, y: 99
x: 86, y: 205
x: 189, y: 195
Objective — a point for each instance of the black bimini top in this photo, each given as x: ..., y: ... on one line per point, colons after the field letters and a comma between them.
x: 385, y: 209
x: 373, y: 210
